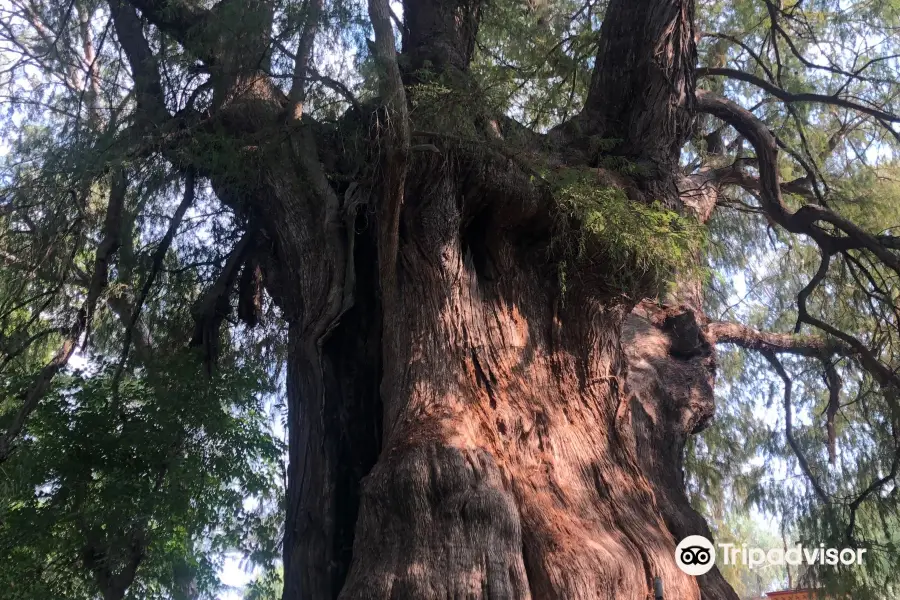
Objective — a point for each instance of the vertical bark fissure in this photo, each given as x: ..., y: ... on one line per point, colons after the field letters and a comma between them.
x: 488, y: 374
x: 485, y: 388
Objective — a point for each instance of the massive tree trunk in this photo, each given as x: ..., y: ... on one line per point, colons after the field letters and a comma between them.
x: 532, y: 437
x: 464, y: 424
x: 520, y: 458
x: 529, y: 435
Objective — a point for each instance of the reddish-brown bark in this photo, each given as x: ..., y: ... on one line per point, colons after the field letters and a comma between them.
x: 521, y: 458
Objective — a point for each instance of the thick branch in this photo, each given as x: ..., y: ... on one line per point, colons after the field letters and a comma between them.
x: 789, y: 97
x: 92, y: 84
x: 304, y: 56
x: 764, y: 341
x: 642, y: 88
x: 114, y: 585
x: 701, y: 191
x: 756, y: 132
x: 213, y: 307
x: 396, y: 135
x: 804, y: 220
x: 144, y: 68
x: 798, y: 187
x: 439, y: 32
x: 110, y: 243
x: 121, y: 307
x: 179, y: 19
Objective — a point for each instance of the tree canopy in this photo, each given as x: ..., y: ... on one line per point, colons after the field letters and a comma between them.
x: 143, y: 356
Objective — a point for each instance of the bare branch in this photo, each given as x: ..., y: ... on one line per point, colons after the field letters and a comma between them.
x: 789, y: 97
x: 756, y: 57
x: 789, y: 428
x: 144, y: 68
x: 304, y: 57
x: 92, y: 85
x: 121, y: 307
x: 311, y: 75
x: 753, y: 339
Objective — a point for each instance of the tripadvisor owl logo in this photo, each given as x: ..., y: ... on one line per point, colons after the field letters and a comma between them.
x: 695, y: 555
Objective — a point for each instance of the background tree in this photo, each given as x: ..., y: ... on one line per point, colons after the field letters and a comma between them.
x: 504, y: 241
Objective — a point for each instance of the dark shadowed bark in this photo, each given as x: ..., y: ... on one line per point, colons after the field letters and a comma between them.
x: 440, y: 33
x: 642, y: 89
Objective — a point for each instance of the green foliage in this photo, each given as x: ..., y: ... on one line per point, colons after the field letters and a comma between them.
x: 534, y: 58
x: 640, y: 246
x: 442, y: 103
x: 160, y: 469
x: 746, y: 529
x: 267, y: 586
x: 744, y: 454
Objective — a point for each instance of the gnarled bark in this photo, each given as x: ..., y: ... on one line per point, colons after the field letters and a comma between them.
x: 514, y: 462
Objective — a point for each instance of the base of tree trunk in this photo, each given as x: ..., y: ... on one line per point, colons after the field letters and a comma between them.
x: 521, y: 457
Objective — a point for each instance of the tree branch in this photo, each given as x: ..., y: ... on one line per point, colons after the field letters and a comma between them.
x: 789, y: 97
x: 41, y: 385
x: 109, y: 245
x: 642, y: 87
x: 789, y: 428
x: 834, y: 384
x: 144, y: 68
x: 181, y: 20
x: 158, y: 257
x: 440, y: 32
x: 763, y: 341
x: 804, y: 220
x: 303, y: 58
x: 98, y: 283
x: 212, y: 308
x: 396, y: 135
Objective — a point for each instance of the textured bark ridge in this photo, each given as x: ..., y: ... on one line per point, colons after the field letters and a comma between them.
x: 642, y: 91
x: 671, y: 369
